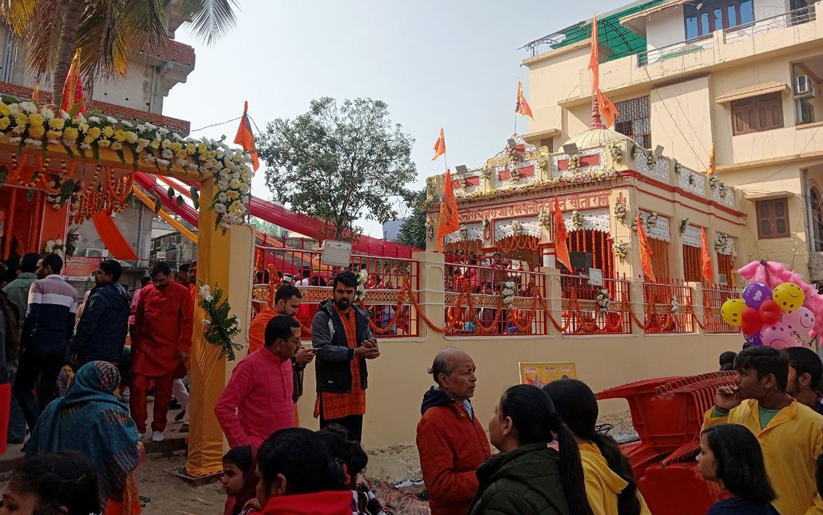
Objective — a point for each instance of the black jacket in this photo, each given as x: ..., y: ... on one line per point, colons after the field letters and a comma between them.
x: 333, y: 362
x: 101, y: 333
x: 525, y: 481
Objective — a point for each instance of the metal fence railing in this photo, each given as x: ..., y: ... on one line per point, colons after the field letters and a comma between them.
x: 588, y: 309
x: 664, y: 307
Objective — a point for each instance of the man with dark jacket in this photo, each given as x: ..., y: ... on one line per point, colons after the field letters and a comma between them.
x: 101, y: 332
x: 451, y: 441
x: 340, y: 332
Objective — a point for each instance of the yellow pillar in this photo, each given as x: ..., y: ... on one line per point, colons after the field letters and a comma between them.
x: 224, y: 260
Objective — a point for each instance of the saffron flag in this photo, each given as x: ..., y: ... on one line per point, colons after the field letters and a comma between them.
x: 645, y: 251
x: 607, y: 109
x: 245, y: 138
x: 440, y: 145
x: 522, y: 106
x: 712, y: 164
x: 706, y: 258
x: 560, y: 236
x: 73, y: 97
x: 594, y: 60
x: 449, y: 219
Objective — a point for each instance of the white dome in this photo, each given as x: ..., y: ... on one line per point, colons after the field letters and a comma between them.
x: 596, y: 138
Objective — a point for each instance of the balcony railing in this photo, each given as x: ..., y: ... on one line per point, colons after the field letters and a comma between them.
x: 730, y: 35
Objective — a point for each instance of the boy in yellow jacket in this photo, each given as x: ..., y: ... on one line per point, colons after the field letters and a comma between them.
x: 789, y: 432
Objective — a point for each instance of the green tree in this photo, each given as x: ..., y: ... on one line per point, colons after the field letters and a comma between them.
x: 339, y: 163
x: 413, y: 231
x: 107, y: 32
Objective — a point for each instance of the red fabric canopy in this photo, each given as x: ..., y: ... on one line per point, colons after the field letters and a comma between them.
x: 112, y: 238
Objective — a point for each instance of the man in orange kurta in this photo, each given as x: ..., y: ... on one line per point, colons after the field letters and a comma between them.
x: 344, y: 341
x: 162, y: 339
x: 286, y: 302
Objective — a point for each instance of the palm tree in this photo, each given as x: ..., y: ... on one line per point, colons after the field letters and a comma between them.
x: 107, y: 32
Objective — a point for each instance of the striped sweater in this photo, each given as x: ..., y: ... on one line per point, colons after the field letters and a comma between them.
x: 51, y: 312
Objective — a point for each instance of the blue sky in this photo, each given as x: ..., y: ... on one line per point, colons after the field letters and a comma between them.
x: 451, y: 64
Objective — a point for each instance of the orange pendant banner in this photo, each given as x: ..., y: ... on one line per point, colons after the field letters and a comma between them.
x: 112, y: 238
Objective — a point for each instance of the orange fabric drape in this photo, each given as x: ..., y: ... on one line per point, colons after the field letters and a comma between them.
x: 706, y: 258
x: 645, y: 251
x: 449, y: 219
x: 560, y: 236
x: 112, y: 238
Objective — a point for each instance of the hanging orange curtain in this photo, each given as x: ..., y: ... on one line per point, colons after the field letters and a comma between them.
x: 112, y: 238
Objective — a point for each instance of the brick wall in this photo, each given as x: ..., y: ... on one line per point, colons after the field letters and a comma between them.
x: 106, y: 108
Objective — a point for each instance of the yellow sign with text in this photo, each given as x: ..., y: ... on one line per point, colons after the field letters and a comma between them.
x: 541, y: 374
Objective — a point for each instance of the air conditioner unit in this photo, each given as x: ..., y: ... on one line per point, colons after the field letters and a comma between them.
x: 721, y: 279
x: 97, y: 253
x: 804, y: 87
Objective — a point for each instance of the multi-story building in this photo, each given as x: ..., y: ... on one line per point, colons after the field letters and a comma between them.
x: 137, y: 96
x: 734, y: 81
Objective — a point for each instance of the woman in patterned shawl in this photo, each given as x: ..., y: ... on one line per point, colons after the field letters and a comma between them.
x: 89, y: 419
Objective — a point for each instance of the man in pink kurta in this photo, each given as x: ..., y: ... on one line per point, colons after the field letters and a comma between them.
x: 163, y: 328
x: 258, y: 399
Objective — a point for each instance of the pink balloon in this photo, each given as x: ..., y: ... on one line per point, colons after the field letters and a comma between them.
x: 777, y: 336
x: 801, y: 320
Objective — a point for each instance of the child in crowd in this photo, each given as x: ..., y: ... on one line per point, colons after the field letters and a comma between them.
x: 62, y: 483
x: 240, y: 481
x: 727, y: 360
x: 354, y: 459
x: 730, y: 455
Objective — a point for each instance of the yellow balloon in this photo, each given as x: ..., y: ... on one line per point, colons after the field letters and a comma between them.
x: 732, y: 311
x: 789, y: 296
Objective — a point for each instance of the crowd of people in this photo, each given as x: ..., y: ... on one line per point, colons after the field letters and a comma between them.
x: 761, y: 442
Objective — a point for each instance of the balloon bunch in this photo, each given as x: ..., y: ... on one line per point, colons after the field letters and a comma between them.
x: 777, y: 307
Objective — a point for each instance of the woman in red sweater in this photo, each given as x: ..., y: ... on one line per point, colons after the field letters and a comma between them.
x: 298, y: 477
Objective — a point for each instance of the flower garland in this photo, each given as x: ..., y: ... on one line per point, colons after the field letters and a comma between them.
x: 721, y: 242
x: 691, y: 179
x: 574, y: 163
x: 54, y: 247
x: 603, y: 301
x: 71, y: 241
x: 487, y: 172
x: 620, y: 212
x: 616, y: 151
x: 360, y: 292
x: 621, y: 250
x: 544, y: 219
x: 577, y: 220
x: 713, y: 182
x: 429, y: 227
x: 507, y: 293
x: 678, y: 168
x: 221, y: 327
x: 515, y: 174
x: 40, y: 127
x: 684, y: 224
x: 651, y: 159
x: 674, y: 306
x: 517, y: 228
x: 651, y: 220
x: 634, y: 150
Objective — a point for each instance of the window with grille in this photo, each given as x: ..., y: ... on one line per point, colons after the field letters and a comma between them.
x: 772, y: 218
x: 634, y: 120
x: 548, y: 143
x: 757, y: 114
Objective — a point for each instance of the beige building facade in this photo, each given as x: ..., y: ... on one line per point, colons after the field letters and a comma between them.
x: 739, y: 78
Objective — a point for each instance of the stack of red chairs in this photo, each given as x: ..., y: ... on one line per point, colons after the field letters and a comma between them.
x: 667, y: 414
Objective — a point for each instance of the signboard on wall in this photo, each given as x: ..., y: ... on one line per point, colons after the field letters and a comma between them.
x: 595, y: 277
x: 540, y: 374
x: 336, y: 253
x: 79, y: 268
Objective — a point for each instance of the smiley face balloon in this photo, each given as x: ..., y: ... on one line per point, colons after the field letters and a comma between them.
x: 789, y: 296
x: 732, y: 311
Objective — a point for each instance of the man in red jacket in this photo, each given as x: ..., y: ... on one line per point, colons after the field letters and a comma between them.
x: 451, y: 442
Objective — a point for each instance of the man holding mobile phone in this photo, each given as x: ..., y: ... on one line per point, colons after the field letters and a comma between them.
x: 340, y: 332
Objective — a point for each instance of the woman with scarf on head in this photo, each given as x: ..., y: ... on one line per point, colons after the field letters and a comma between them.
x: 610, y: 485
x: 89, y: 419
x: 528, y: 477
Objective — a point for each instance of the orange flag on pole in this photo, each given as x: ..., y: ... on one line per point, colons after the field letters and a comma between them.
x: 560, y: 237
x: 645, y: 251
x: 706, y: 258
x: 245, y: 138
x: 594, y: 60
x: 73, y: 88
x: 607, y: 109
x: 522, y: 106
x: 449, y: 219
x: 440, y: 145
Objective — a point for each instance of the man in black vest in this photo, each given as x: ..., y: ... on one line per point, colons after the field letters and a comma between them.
x: 340, y: 332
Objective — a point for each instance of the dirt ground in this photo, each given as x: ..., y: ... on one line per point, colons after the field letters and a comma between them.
x: 396, y: 465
